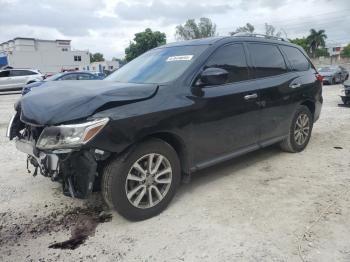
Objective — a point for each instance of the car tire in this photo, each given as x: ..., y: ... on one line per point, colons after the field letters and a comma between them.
x: 333, y: 81
x: 299, y: 131
x: 136, y: 191
x: 345, y: 100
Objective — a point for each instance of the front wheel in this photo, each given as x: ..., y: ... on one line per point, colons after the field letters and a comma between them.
x: 299, y: 131
x: 141, y: 184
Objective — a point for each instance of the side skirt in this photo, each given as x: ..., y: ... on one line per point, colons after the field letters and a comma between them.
x: 236, y: 153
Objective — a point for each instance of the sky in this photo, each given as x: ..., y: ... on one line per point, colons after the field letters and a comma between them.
x: 108, y: 26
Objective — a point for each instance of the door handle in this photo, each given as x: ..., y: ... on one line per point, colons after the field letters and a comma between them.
x: 251, y: 96
x: 296, y: 85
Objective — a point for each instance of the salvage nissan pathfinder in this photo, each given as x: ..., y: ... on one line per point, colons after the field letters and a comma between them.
x: 174, y: 110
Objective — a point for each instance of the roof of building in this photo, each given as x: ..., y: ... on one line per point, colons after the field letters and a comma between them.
x: 35, y: 39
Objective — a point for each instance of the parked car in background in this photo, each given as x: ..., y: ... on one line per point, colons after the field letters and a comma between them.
x: 345, y: 93
x: 76, y: 75
x: 101, y: 75
x: 333, y: 74
x: 345, y: 73
x: 172, y: 111
x: 16, y: 79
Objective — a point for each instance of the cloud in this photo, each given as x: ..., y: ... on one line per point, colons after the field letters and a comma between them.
x: 108, y: 26
x: 72, y: 18
x: 169, y: 11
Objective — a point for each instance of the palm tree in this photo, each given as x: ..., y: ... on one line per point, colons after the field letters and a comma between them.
x: 316, y: 39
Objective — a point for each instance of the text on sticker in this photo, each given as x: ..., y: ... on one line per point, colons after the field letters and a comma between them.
x: 179, y: 58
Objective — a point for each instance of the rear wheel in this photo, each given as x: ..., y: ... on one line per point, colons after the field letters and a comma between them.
x: 299, y: 131
x: 345, y: 100
x: 142, y: 183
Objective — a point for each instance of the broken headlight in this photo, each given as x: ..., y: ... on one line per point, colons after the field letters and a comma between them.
x: 70, y: 136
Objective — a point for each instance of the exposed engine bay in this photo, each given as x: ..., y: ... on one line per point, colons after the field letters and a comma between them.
x: 76, y: 170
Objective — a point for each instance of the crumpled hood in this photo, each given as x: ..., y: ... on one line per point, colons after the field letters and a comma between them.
x: 62, y: 101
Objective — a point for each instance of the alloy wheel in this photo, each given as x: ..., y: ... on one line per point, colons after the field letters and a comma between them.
x: 302, y: 129
x: 148, y: 180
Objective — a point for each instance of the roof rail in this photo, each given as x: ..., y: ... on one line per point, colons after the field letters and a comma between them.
x: 261, y: 36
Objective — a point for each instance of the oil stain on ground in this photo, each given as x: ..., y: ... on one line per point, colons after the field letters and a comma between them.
x: 81, y: 221
x: 85, y: 227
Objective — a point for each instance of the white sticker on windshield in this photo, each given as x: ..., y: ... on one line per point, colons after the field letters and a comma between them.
x: 179, y: 58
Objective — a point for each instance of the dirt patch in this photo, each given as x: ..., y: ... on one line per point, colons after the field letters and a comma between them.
x: 82, y: 221
x: 85, y: 227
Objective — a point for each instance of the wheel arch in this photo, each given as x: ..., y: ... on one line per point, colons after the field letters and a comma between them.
x: 310, y: 105
x: 31, y: 81
x: 179, y: 146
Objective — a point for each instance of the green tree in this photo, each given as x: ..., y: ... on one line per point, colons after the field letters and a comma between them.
x: 249, y: 28
x: 193, y: 30
x: 302, y: 42
x: 316, y: 39
x: 346, y: 51
x: 321, y: 52
x: 143, y: 42
x: 97, y: 57
x: 270, y: 30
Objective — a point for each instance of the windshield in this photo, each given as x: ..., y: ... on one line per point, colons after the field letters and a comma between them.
x: 158, y: 66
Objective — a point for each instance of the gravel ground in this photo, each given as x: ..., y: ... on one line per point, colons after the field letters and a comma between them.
x: 265, y: 206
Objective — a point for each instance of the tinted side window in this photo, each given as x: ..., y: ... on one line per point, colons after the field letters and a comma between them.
x: 296, y: 57
x: 27, y: 72
x: 267, y: 59
x: 17, y: 73
x: 4, y: 73
x: 232, y: 59
x: 69, y: 77
x: 21, y: 73
x: 85, y: 77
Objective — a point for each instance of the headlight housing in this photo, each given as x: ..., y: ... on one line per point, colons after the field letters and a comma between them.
x: 70, y: 136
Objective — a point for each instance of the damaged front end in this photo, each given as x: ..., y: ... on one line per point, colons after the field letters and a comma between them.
x: 61, y: 152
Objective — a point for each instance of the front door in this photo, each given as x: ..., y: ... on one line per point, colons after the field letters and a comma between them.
x: 225, y: 116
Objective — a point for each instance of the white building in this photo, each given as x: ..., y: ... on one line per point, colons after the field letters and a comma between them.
x: 335, y: 49
x: 49, y: 56
x: 101, y: 66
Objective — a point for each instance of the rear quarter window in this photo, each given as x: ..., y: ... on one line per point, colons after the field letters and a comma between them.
x: 297, y: 58
x: 267, y: 60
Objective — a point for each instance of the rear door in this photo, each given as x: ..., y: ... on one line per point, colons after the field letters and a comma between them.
x: 273, y: 78
x: 226, y: 119
x: 305, y: 84
x: 19, y: 78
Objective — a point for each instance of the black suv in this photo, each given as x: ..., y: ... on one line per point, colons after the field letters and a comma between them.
x: 170, y: 112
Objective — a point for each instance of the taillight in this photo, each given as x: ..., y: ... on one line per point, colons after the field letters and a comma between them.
x: 319, y: 77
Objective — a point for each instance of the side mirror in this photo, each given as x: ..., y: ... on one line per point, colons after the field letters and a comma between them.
x: 213, y: 76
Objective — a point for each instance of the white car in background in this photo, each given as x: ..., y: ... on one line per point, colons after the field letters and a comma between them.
x: 15, y: 79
